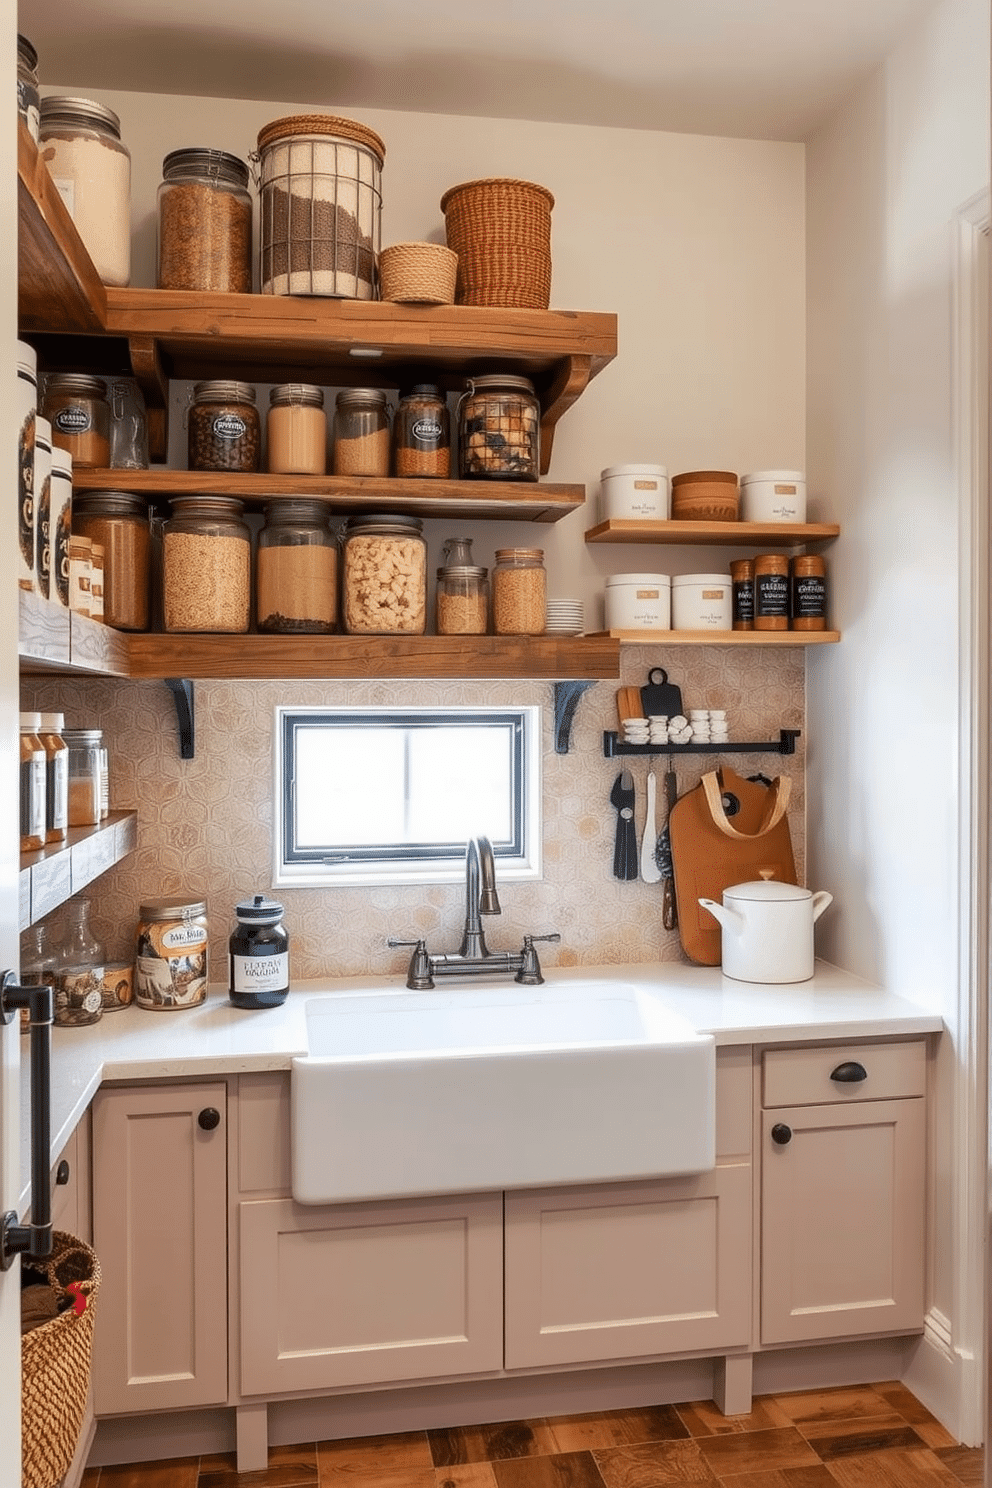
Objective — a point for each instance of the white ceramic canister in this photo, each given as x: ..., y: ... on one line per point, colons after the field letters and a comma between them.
x: 27, y: 413
x: 60, y: 526
x: 773, y: 496
x: 638, y: 493
x: 638, y: 601
x: 42, y: 509
x: 767, y: 930
x: 702, y: 602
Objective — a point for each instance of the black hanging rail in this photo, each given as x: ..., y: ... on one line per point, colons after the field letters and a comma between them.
x: 613, y: 745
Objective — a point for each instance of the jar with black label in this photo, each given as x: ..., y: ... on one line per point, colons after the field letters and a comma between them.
x: 422, y: 433
x: 259, y: 954
x: 499, y: 429
x: 808, y: 575
x: 76, y: 404
x: 742, y: 579
x: 771, y: 592
x: 170, y: 970
x: 225, y: 431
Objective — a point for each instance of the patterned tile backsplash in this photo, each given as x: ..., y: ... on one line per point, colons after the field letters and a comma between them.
x: 204, y: 825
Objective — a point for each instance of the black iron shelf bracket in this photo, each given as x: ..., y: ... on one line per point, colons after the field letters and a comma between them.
x: 567, y: 696
x: 613, y: 745
x: 182, y: 695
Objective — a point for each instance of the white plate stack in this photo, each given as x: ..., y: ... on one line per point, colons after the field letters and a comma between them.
x: 564, y: 617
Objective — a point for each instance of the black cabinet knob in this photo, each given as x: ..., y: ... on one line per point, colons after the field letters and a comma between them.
x: 62, y: 1174
x: 849, y: 1073
x: 209, y: 1118
x: 781, y: 1134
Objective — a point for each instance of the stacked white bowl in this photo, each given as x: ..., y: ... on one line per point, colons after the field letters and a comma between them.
x: 564, y: 617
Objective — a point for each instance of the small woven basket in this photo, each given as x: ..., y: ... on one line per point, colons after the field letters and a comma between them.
x: 501, y: 231
x: 418, y: 273
x: 55, y: 1366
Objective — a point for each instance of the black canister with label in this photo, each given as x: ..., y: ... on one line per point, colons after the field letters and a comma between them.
x: 259, y: 954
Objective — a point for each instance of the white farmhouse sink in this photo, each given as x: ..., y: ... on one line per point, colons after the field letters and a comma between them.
x: 406, y: 1093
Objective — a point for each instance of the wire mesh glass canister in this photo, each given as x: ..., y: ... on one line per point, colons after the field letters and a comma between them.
x: 499, y: 429
x: 320, y: 207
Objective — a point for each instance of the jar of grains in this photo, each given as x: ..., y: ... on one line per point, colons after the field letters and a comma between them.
x: 84, y: 747
x: 520, y: 587
x: 422, y: 433
x: 119, y: 521
x: 170, y: 969
x: 385, y: 576
x: 296, y: 576
x: 224, y: 427
x: 462, y: 606
x: 296, y: 430
x: 204, y: 222
x: 361, y: 432
x: 206, y: 566
x: 27, y: 86
x: 91, y: 169
x: 499, y: 429
x: 77, y: 408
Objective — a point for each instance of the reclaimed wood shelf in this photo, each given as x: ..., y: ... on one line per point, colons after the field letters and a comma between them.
x: 720, y: 637
x: 516, y: 501
x: 55, y: 873
x: 58, y: 287
x: 722, y: 534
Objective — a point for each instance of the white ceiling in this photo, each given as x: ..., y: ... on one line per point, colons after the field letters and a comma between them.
x: 769, y: 69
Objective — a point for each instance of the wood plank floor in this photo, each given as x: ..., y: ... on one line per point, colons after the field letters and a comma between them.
x: 869, y: 1436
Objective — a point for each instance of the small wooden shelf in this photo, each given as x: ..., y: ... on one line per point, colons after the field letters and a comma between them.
x: 514, y: 501
x: 722, y: 534
x: 720, y: 637
x: 49, y: 877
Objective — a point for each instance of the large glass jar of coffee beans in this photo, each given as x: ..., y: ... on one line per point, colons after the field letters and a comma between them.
x: 206, y: 566
x: 499, y: 429
x: 224, y: 427
x: 204, y: 222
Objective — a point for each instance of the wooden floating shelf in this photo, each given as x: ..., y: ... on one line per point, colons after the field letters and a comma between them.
x: 506, y: 501
x: 54, y: 639
x: 722, y: 534
x: 53, y: 874
x: 720, y: 637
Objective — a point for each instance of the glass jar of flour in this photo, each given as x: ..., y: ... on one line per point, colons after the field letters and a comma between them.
x: 91, y: 168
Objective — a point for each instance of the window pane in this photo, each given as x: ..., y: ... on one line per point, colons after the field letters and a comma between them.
x: 460, y: 784
x: 350, y: 787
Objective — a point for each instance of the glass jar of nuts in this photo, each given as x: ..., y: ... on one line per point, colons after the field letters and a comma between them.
x: 499, y: 429
x: 224, y: 427
x: 520, y: 587
x: 384, y: 578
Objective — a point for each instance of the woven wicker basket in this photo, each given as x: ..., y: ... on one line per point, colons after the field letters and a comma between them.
x: 501, y: 231
x: 55, y: 1367
x: 420, y: 273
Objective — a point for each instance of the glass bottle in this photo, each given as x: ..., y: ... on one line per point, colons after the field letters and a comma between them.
x: 225, y: 431
x: 79, y: 970
x: 91, y: 169
x: 258, y: 954
x: 499, y: 421
x: 56, y: 776
x: 204, y: 222
x: 32, y: 781
x: 79, y: 412
x: 361, y: 432
x: 296, y: 575
x: 206, y: 566
x: 39, y: 961
x: 520, y: 589
x: 462, y: 598
x: 119, y: 522
x: 384, y: 576
x: 296, y: 430
x: 422, y: 433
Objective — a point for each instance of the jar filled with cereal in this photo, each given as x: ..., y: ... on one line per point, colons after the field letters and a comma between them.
x: 384, y: 578
x: 520, y: 587
x: 206, y: 566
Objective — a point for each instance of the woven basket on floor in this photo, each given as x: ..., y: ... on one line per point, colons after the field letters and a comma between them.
x: 55, y: 1366
x: 418, y: 273
x: 501, y: 231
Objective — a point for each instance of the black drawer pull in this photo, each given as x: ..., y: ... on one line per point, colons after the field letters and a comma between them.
x: 62, y: 1174
x: 849, y: 1073
x: 209, y: 1118
x: 781, y: 1134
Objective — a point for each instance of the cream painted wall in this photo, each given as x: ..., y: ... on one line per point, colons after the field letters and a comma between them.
x: 885, y: 180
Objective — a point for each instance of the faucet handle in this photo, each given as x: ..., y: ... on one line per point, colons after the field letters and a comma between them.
x: 530, y: 968
x: 530, y: 939
x: 418, y: 978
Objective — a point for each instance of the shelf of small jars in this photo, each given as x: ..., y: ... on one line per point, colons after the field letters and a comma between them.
x: 54, y: 639
x: 720, y: 637
x: 58, y: 287
x: 523, y: 501
x: 553, y: 658
x: 54, y: 874
x: 722, y: 534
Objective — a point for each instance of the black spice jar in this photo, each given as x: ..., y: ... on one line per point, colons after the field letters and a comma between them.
x: 259, y: 955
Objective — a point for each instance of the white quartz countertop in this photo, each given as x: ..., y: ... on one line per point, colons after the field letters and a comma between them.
x: 217, y: 1038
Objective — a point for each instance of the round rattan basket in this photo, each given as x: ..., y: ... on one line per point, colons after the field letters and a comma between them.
x: 501, y: 230
x: 418, y: 273
x: 55, y: 1365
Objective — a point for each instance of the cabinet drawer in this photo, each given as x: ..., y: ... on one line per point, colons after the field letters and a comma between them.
x: 803, y: 1077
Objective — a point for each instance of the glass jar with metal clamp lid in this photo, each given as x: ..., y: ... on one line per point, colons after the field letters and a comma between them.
x: 499, y: 421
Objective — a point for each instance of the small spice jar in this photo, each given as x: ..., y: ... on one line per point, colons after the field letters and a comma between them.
x: 520, y: 588
x: 76, y: 404
x: 225, y: 431
x: 296, y: 573
x: 204, y: 222
x: 361, y: 432
x: 296, y: 430
x: 742, y: 602
x: 462, y: 600
x: 60, y: 525
x: 771, y: 592
x: 85, y: 794
x: 422, y: 433
x: 170, y: 969
x: 258, y: 954
x: 808, y: 576
x: 119, y: 522
x: 80, y: 574
x: 27, y: 86
x: 206, y: 566
x: 32, y: 783
x: 91, y: 168
x: 499, y: 429
x: 384, y: 576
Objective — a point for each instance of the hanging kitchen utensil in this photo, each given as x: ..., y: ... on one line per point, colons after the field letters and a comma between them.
x: 625, y: 846
x: 661, y: 698
x: 663, y: 855
x: 650, y: 872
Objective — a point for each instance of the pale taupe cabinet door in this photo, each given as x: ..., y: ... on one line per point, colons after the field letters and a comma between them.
x: 159, y: 1225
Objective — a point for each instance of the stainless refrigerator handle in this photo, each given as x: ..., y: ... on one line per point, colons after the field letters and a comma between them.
x: 33, y: 1240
